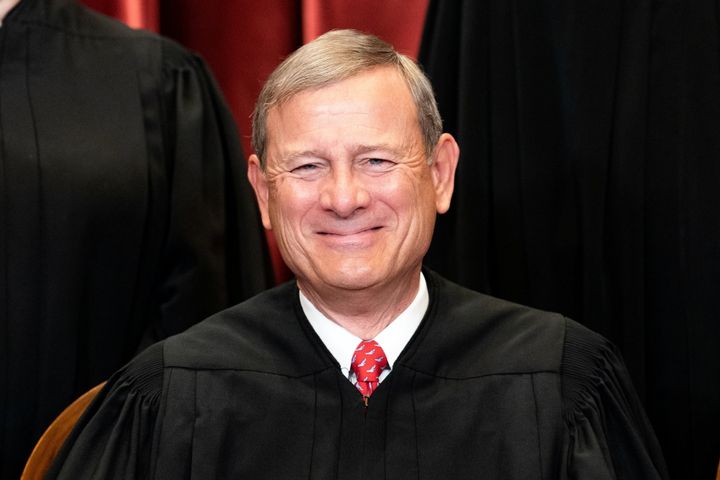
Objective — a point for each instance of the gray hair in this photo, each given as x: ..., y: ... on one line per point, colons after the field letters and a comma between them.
x: 335, y: 56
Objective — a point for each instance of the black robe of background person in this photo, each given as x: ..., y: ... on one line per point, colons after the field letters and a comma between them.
x: 124, y: 211
x: 588, y: 183
x: 484, y: 389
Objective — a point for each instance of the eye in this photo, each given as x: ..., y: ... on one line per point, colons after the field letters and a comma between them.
x: 379, y: 163
x: 306, y: 170
x: 307, y: 167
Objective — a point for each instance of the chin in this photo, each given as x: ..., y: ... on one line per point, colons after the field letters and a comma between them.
x: 353, y: 278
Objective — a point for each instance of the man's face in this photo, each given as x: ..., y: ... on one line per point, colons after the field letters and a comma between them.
x: 347, y: 189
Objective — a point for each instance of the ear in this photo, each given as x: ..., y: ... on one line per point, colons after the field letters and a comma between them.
x: 443, y: 169
x: 257, y: 179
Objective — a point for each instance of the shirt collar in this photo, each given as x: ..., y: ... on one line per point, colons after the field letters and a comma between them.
x: 341, y: 343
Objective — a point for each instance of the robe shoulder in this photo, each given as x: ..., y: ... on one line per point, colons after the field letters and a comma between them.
x: 76, y: 20
x: 265, y: 333
x: 113, y: 437
x: 470, y: 334
x: 605, y: 432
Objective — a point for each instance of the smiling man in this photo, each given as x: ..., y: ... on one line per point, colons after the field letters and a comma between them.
x: 351, y: 189
x: 367, y: 365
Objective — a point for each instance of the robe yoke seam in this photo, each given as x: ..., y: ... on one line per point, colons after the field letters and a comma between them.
x: 246, y: 370
x: 537, y: 427
x: 131, y: 35
x: 133, y: 38
x: 159, y: 424
x: 563, y: 400
x: 470, y: 377
x: 194, y: 424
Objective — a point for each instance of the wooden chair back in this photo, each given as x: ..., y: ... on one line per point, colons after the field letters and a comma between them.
x: 47, y: 448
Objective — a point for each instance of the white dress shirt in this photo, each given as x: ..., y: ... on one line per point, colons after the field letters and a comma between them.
x: 341, y: 343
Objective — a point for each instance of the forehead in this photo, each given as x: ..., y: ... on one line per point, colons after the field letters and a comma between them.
x: 377, y: 98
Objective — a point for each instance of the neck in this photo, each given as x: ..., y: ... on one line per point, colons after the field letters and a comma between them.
x: 5, y: 7
x: 364, y: 313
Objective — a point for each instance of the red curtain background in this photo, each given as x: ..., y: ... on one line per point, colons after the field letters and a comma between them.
x: 244, y: 40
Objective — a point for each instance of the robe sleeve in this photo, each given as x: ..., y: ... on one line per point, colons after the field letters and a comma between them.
x: 113, y: 439
x: 213, y: 252
x: 607, y: 434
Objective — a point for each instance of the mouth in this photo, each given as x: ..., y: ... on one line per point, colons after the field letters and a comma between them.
x: 350, y: 240
x: 349, y: 233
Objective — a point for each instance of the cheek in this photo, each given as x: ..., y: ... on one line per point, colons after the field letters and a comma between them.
x: 412, y: 196
x: 422, y: 214
x: 290, y: 203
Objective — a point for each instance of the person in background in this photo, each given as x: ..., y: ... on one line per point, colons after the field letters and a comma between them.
x: 367, y: 365
x: 125, y: 216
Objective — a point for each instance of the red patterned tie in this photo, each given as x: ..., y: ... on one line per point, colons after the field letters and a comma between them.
x: 368, y: 362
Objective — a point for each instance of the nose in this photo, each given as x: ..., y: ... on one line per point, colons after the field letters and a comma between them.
x: 344, y: 192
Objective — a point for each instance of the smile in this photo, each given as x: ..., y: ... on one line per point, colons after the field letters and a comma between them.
x: 353, y: 239
x: 350, y: 233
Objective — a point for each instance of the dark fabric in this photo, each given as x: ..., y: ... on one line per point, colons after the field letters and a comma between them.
x: 588, y: 183
x: 485, y: 389
x: 125, y: 215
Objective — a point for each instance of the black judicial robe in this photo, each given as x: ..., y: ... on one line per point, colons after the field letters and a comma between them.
x: 122, y: 200
x: 485, y: 389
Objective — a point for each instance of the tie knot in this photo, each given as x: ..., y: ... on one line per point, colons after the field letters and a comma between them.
x: 368, y: 362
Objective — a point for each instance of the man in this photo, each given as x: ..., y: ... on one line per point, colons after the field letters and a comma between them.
x: 367, y: 366
x: 122, y: 204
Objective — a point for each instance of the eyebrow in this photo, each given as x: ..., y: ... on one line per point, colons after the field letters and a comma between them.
x: 303, y: 154
x: 359, y: 149
x: 356, y: 149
